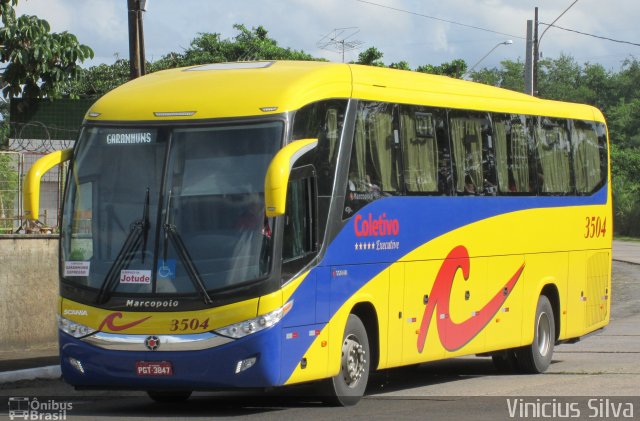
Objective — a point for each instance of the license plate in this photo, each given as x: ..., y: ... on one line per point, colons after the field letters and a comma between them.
x: 149, y: 368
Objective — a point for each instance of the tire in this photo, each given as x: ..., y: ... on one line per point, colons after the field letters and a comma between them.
x: 505, y: 362
x: 348, y: 387
x: 536, y: 357
x: 169, y: 396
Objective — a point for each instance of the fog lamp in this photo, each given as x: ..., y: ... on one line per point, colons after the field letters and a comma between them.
x: 245, y: 364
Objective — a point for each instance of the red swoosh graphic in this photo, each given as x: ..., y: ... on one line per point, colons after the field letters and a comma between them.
x: 108, y: 321
x: 458, y: 334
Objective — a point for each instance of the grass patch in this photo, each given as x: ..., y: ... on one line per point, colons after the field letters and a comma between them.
x: 625, y: 238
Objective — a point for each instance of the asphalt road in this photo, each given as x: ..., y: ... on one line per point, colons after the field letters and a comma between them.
x: 597, y: 378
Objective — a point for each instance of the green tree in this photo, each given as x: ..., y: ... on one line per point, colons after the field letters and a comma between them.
x: 248, y: 44
x: 371, y: 57
x: 624, y: 123
x: 401, y: 65
x: 508, y: 76
x: 98, y: 80
x: 455, y: 68
x: 8, y: 189
x: 625, y: 165
x: 40, y: 63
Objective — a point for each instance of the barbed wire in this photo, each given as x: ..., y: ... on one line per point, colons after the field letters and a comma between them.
x: 36, y: 136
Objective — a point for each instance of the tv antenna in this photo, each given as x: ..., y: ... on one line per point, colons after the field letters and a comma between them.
x: 339, y: 40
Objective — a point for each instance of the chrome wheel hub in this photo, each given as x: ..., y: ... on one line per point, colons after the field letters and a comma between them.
x: 353, y: 360
x: 544, y: 334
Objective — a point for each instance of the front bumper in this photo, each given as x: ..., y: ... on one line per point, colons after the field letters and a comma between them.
x: 212, y: 368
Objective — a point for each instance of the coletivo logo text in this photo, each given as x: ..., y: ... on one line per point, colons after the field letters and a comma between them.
x: 379, y: 226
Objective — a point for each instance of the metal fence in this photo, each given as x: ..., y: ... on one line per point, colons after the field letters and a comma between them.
x: 13, y: 169
x: 35, y: 127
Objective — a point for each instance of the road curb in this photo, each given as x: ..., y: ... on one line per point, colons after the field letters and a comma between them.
x: 49, y: 372
x: 626, y: 261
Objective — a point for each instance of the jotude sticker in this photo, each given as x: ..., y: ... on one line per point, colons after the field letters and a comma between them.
x: 129, y: 276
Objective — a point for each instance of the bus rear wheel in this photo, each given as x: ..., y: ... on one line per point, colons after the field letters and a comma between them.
x: 349, y: 385
x: 169, y: 396
x: 536, y: 357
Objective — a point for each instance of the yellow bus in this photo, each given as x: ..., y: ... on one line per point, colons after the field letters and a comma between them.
x: 262, y: 224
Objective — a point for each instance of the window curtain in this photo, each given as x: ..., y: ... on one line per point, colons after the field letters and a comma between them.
x: 467, y: 152
x: 357, y: 168
x: 380, y: 134
x: 292, y: 241
x: 586, y: 158
x: 502, y: 163
x: 419, y: 154
x: 553, y: 148
x: 520, y: 158
x: 331, y: 129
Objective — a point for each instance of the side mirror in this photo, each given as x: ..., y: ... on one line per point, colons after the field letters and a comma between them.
x: 277, y: 178
x: 31, y: 190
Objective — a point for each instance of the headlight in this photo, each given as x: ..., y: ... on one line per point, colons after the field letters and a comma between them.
x: 74, y: 329
x: 247, y: 327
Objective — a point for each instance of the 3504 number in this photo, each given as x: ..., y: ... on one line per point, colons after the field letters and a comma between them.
x: 189, y: 324
x: 596, y: 227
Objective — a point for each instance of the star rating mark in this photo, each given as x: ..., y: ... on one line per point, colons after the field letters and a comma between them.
x: 365, y: 246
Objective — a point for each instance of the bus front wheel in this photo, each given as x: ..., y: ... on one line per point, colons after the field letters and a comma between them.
x: 349, y: 385
x: 536, y: 357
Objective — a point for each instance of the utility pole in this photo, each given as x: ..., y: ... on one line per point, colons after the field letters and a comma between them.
x: 528, y: 60
x: 143, y: 61
x: 536, y: 55
x: 536, y: 43
x: 136, y: 38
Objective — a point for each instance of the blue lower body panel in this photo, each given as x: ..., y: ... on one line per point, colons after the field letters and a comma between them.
x: 206, y: 369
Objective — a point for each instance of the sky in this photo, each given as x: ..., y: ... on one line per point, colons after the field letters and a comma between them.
x: 170, y: 25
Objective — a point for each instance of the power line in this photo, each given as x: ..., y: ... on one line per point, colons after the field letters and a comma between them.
x: 590, y: 35
x: 556, y: 19
x: 438, y: 19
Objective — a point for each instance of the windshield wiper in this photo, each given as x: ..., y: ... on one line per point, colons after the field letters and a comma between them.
x: 145, y: 225
x: 138, y: 234
x: 171, y: 234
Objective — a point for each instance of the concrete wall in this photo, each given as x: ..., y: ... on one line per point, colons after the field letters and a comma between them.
x: 28, y: 295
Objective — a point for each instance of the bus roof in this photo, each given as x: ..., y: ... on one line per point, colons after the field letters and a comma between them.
x: 227, y: 90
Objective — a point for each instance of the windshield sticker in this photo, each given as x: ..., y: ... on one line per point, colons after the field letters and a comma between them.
x: 136, y: 138
x: 76, y: 269
x: 167, y: 269
x: 129, y: 276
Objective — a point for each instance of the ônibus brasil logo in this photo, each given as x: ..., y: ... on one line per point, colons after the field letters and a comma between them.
x: 378, y: 227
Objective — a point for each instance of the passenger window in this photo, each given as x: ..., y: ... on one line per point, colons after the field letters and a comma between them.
x: 553, y: 152
x: 322, y: 120
x: 373, y: 170
x: 473, y: 154
x: 601, y: 129
x: 587, y: 156
x: 419, y: 149
x: 512, y: 144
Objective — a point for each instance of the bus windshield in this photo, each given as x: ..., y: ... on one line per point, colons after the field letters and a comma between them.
x: 157, y: 210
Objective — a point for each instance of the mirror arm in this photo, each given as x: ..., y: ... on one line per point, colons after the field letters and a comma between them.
x: 31, y: 190
x: 278, y: 173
